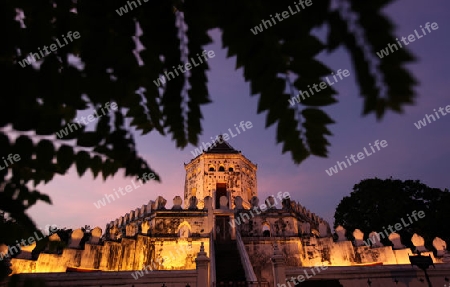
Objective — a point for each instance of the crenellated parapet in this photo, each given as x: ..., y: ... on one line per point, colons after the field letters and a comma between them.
x: 132, y: 241
x: 302, y: 252
x: 367, y: 250
x: 156, y: 218
x: 374, y: 240
x: 277, y: 216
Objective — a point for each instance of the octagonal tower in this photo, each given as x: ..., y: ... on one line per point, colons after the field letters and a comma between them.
x: 220, y: 171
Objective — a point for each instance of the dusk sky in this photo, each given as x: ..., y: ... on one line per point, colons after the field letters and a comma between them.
x: 410, y: 153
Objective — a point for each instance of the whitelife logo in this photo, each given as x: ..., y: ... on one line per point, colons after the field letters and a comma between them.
x: 33, y: 57
x: 423, y: 122
x: 263, y: 207
x: 300, y: 278
x: 64, y: 132
x: 219, y: 138
x: 385, y: 52
x: 360, y: 156
x: 158, y: 262
x: 102, y: 202
x: 14, y: 249
x: 284, y: 14
x: 187, y: 66
x: 124, y: 9
x: 10, y: 157
x: 322, y: 86
x: 398, y: 226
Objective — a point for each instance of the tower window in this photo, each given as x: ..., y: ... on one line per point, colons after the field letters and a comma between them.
x: 221, y: 168
x: 211, y: 168
x: 230, y: 169
x: 221, y: 190
x: 266, y: 229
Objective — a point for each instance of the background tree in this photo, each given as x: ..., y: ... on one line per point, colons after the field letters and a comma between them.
x: 376, y: 203
x: 117, y: 58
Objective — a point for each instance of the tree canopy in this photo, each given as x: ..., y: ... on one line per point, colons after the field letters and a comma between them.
x: 105, y: 58
x: 376, y: 203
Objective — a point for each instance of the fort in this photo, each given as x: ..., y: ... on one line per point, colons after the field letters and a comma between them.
x: 280, y: 242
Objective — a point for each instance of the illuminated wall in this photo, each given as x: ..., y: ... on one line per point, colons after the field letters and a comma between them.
x: 129, y: 254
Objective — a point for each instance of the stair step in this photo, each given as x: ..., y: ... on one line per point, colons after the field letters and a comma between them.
x: 228, y: 263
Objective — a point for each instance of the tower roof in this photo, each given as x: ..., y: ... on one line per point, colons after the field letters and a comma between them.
x: 221, y: 146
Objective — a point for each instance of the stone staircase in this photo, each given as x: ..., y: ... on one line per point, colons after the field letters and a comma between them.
x: 229, y: 269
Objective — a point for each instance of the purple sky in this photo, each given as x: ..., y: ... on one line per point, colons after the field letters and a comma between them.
x: 410, y: 154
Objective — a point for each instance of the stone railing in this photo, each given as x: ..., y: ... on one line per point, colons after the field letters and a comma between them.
x: 247, y: 264
x: 212, y: 256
